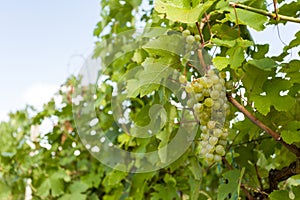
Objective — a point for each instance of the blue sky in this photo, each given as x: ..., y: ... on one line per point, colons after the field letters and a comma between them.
x: 41, y: 44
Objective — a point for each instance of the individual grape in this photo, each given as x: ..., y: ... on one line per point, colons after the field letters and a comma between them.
x: 216, y: 105
x: 182, y: 79
x: 189, y: 88
x: 208, y: 102
x: 209, y: 157
x: 197, y: 87
x: 199, y: 97
x: 217, y: 158
x: 218, y: 132
x: 190, y: 39
x: 186, y: 33
x: 213, y: 140
x: 214, y: 94
x: 198, y: 107
x: 197, y: 38
x: 211, y: 124
x: 220, y: 150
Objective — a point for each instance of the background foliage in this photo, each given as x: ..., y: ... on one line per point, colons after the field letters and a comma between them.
x: 53, y: 162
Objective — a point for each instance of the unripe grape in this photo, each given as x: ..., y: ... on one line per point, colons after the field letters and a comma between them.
x: 197, y: 38
x: 222, y: 75
x: 218, y: 132
x: 199, y: 97
x: 214, y: 94
x: 209, y: 157
x: 217, y: 158
x: 213, y: 140
x: 222, y: 142
x: 182, y: 79
x: 211, y: 72
x: 218, y: 87
x: 190, y: 39
x: 216, y: 105
x: 198, y: 107
x: 197, y: 87
x: 205, y: 92
x: 211, y: 124
x: 189, y: 88
x: 186, y: 33
x: 208, y: 102
x: 220, y: 150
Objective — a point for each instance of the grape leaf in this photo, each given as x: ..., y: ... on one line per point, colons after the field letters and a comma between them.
x: 231, y: 185
x: 293, y: 70
x: 273, y: 98
x: 254, y: 79
x: 265, y: 63
x: 220, y: 62
x: 148, y: 79
x: 279, y: 195
x: 292, y: 132
x: 254, y: 20
x: 181, y: 11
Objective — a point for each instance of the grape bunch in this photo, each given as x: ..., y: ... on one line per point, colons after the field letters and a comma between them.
x: 190, y: 40
x: 207, y: 99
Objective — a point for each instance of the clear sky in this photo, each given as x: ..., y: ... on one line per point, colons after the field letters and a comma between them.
x: 41, y: 44
x: 43, y: 41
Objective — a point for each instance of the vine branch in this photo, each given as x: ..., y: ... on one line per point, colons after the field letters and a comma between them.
x: 292, y: 148
x: 276, y: 176
x: 275, y: 16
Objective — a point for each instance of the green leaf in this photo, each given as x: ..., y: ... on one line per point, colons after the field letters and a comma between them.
x: 265, y: 64
x: 279, y: 195
x: 78, y: 187
x: 181, y: 11
x: 220, y: 62
x: 73, y: 196
x: 254, y: 79
x: 293, y: 70
x: 273, y: 88
x: 292, y: 132
x: 254, y: 20
x: 225, y: 43
x: 149, y: 79
x: 236, y: 55
x: 231, y: 185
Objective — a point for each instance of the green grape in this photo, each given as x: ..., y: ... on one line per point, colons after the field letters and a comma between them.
x: 220, y: 150
x: 214, y: 94
x: 222, y: 74
x: 214, y: 78
x: 198, y: 107
x: 218, y: 87
x: 211, y: 72
x: 222, y: 142
x: 205, y: 92
x: 218, y: 132
x: 209, y: 157
x: 182, y: 79
x: 186, y: 33
x: 213, y: 140
x: 211, y: 124
x: 217, y: 158
x: 216, y: 105
x: 197, y: 38
x: 189, y: 88
x: 197, y: 87
x: 208, y: 102
x: 199, y: 97
x: 190, y: 39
